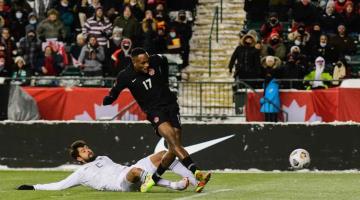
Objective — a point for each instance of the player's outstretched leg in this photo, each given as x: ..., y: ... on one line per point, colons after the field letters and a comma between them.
x: 172, y: 137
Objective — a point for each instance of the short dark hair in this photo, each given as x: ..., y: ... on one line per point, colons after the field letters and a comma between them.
x: 73, y: 151
x: 137, y: 51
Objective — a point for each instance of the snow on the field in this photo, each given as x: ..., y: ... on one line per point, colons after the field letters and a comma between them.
x: 68, y: 167
x: 216, y: 121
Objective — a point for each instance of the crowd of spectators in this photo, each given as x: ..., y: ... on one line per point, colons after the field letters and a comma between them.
x: 319, y: 42
x: 45, y: 37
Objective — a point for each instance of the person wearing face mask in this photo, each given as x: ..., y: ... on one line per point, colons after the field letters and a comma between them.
x: 329, y: 19
x: 33, y: 21
x: 121, y: 57
x: 318, y: 78
x: 173, y: 42
x: 296, y: 67
x: 246, y: 60
x: 272, y: 25
x: 18, y: 23
x: 129, y: 24
x: 315, y: 34
x: 274, y: 47
x: 30, y: 48
x: 325, y: 50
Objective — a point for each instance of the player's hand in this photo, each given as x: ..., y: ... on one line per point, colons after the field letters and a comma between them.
x: 26, y: 187
x: 108, y: 100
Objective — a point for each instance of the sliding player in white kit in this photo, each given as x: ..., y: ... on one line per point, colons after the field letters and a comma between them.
x: 101, y: 173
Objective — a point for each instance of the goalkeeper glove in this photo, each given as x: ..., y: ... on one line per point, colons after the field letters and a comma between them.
x: 26, y: 187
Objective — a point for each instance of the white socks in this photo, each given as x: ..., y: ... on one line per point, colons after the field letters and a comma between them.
x: 181, y: 170
x: 180, y: 185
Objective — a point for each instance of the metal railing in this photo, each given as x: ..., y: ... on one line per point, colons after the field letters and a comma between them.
x: 198, y: 100
x: 215, y: 19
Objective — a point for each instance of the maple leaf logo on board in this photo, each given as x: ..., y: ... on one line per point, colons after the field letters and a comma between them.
x: 297, y: 113
x: 101, y: 112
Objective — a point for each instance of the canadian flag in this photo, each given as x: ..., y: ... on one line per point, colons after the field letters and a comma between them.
x: 309, y: 106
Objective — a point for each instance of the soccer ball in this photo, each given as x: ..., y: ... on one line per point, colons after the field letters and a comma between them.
x: 299, y: 159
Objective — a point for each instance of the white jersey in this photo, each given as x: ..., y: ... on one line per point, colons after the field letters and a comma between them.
x: 101, y: 174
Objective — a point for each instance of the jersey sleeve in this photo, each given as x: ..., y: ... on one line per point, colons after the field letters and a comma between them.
x: 70, y: 181
x: 119, y: 85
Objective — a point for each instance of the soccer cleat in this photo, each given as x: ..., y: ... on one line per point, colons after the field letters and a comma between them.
x: 203, y: 179
x: 148, y: 184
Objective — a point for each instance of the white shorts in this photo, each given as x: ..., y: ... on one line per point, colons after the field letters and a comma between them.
x: 144, y: 164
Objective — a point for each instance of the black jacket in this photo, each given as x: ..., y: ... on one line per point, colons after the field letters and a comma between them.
x: 246, y: 61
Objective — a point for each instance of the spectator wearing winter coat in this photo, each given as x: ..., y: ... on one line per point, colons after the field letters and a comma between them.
x: 91, y: 57
x: 246, y: 60
x: 271, y: 25
x: 18, y: 23
x: 66, y: 15
x: 51, y: 27
x: 21, y: 72
x: 343, y: 43
x: 148, y: 26
x: 50, y: 64
x: 349, y: 18
x: 274, y: 47
x: 30, y: 48
x: 137, y: 8
x: 130, y: 26
x: 340, y: 5
x: 98, y: 26
x: 7, y: 47
x: 300, y: 38
x: 325, y: 50
x: 304, y: 12
x: 329, y: 19
x: 270, y: 103
x: 318, y: 78
x: 271, y: 67
x: 33, y: 22
x: 183, y: 29
x: 339, y: 72
x: 76, y: 48
x: 296, y: 67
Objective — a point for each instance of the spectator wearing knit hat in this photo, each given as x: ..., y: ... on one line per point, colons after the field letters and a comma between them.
x: 296, y: 67
x: 98, y: 26
x: 274, y: 47
x: 21, y: 72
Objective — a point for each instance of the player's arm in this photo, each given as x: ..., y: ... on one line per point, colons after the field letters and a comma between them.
x: 70, y: 181
x: 119, y: 85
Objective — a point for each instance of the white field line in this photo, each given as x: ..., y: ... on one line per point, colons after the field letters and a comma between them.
x: 203, y: 194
